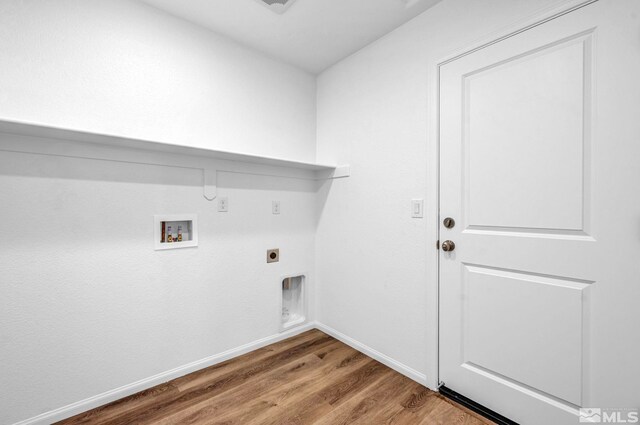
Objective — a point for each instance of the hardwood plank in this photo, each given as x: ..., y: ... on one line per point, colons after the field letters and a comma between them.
x: 308, y: 379
x: 377, y: 405
x: 158, y: 394
x: 210, y: 380
x: 197, y: 378
x: 219, y: 384
x: 334, y: 366
x: 256, y: 399
x: 427, y: 407
x: 370, y: 403
x: 328, y: 396
x: 478, y: 419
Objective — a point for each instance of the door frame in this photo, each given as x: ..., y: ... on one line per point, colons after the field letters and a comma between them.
x: 433, y: 380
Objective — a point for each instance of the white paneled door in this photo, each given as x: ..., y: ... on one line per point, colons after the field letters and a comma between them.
x: 540, y: 170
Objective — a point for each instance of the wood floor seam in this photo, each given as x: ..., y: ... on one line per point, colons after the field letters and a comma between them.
x: 311, y: 378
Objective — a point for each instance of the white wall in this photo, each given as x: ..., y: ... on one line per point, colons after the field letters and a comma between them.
x: 124, y: 68
x: 89, y: 306
x: 375, y: 264
x: 86, y: 304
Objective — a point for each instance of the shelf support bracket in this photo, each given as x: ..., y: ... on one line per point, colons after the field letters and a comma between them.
x: 210, y: 188
x: 341, y: 172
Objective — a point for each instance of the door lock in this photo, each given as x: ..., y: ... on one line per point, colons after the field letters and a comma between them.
x: 448, y: 246
x: 449, y: 223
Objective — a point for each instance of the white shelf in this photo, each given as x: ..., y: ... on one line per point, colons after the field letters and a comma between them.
x: 37, y: 130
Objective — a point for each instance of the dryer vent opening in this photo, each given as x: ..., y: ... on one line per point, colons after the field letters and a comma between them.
x: 294, y: 301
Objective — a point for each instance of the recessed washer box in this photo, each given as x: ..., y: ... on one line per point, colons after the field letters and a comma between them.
x: 175, y: 231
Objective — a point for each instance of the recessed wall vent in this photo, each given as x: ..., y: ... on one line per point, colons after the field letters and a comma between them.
x: 278, y: 6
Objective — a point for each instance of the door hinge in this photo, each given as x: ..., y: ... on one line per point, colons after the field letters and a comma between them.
x: 438, y: 244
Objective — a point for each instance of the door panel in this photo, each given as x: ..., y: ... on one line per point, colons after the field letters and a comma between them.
x: 536, y: 136
x: 525, y: 327
x: 508, y: 153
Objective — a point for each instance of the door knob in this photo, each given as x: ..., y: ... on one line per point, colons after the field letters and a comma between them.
x: 448, y: 246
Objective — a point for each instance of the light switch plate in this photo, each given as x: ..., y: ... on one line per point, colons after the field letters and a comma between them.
x: 417, y: 208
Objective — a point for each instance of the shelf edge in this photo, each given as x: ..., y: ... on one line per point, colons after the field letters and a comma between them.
x: 51, y: 132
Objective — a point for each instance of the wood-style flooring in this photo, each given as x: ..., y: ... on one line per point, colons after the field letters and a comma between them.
x: 309, y: 379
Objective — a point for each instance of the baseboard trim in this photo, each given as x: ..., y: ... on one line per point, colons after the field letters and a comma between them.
x: 127, y: 390
x: 407, y: 371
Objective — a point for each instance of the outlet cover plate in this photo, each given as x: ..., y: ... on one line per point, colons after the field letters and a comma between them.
x: 273, y: 255
x: 223, y: 204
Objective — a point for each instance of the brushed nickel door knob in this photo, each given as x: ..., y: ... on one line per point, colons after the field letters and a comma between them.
x: 448, y: 246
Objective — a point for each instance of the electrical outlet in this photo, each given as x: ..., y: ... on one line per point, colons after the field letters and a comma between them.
x: 223, y: 204
x: 275, y: 207
x: 273, y: 255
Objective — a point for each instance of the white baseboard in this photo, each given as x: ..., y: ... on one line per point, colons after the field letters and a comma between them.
x: 127, y: 390
x: 407, y: 371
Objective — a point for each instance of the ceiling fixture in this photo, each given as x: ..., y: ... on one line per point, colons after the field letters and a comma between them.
x: 278, y: 6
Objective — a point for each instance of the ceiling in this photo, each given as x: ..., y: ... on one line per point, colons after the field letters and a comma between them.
x: 311, y: 34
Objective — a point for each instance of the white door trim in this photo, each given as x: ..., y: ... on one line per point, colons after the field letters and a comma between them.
x: 433, y: 163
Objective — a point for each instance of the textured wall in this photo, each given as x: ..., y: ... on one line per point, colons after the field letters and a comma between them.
x: 375, y: 112
x: 124, y: 68
x: 88, y: 306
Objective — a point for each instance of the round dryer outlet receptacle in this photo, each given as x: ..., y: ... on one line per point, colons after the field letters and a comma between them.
x: 273, y: 255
